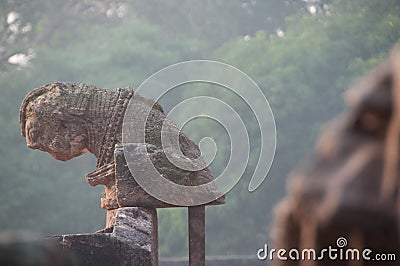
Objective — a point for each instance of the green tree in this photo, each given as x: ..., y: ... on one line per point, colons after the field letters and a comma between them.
x: 216, y: 21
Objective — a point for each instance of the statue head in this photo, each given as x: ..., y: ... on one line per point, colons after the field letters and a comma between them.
x: 69, y: 119
x: 51, y: 120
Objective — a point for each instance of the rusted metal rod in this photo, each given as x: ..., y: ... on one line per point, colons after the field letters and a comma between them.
x: 197, y: 236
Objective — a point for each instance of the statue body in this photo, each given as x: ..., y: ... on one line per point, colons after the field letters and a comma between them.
x: 67, y: 120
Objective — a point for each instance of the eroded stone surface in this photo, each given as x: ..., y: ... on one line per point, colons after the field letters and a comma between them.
x: 129, y: 241
x: 130, y: 193
x: 68, y: 119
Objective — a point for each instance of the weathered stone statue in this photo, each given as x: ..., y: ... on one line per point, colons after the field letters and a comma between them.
x: 68, y: 119
x: 346, y: 194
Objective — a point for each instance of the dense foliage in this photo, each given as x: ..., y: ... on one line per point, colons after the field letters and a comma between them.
x: 302, y: 55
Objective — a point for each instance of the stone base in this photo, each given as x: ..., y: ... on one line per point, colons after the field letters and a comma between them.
x: 127, y: 242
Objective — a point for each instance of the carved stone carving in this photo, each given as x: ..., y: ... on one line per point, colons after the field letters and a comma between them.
x: 68, y: 119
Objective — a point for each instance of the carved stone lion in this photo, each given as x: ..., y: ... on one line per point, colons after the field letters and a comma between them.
x: 67, y: 120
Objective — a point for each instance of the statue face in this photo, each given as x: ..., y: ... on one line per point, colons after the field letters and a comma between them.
x: 61, y: 140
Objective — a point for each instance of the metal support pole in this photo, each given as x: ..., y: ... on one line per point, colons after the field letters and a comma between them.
x: 197, y: 236
x: 154, y: 245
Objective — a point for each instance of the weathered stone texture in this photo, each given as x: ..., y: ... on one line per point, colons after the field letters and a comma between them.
x: 128, y: 191
x: 127, y: 242
x: 68, y: 119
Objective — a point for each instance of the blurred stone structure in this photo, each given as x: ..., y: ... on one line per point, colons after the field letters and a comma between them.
x: 346, y: 194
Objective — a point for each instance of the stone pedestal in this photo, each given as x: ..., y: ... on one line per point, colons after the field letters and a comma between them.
x: 129, y: 241
x: 122, y: 190
x: 131, y: 233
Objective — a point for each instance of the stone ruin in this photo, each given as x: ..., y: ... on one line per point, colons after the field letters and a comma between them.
x: 346, y: 194
x: 67, y: 120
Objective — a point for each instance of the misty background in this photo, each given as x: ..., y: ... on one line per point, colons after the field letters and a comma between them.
x: 302, y: 54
